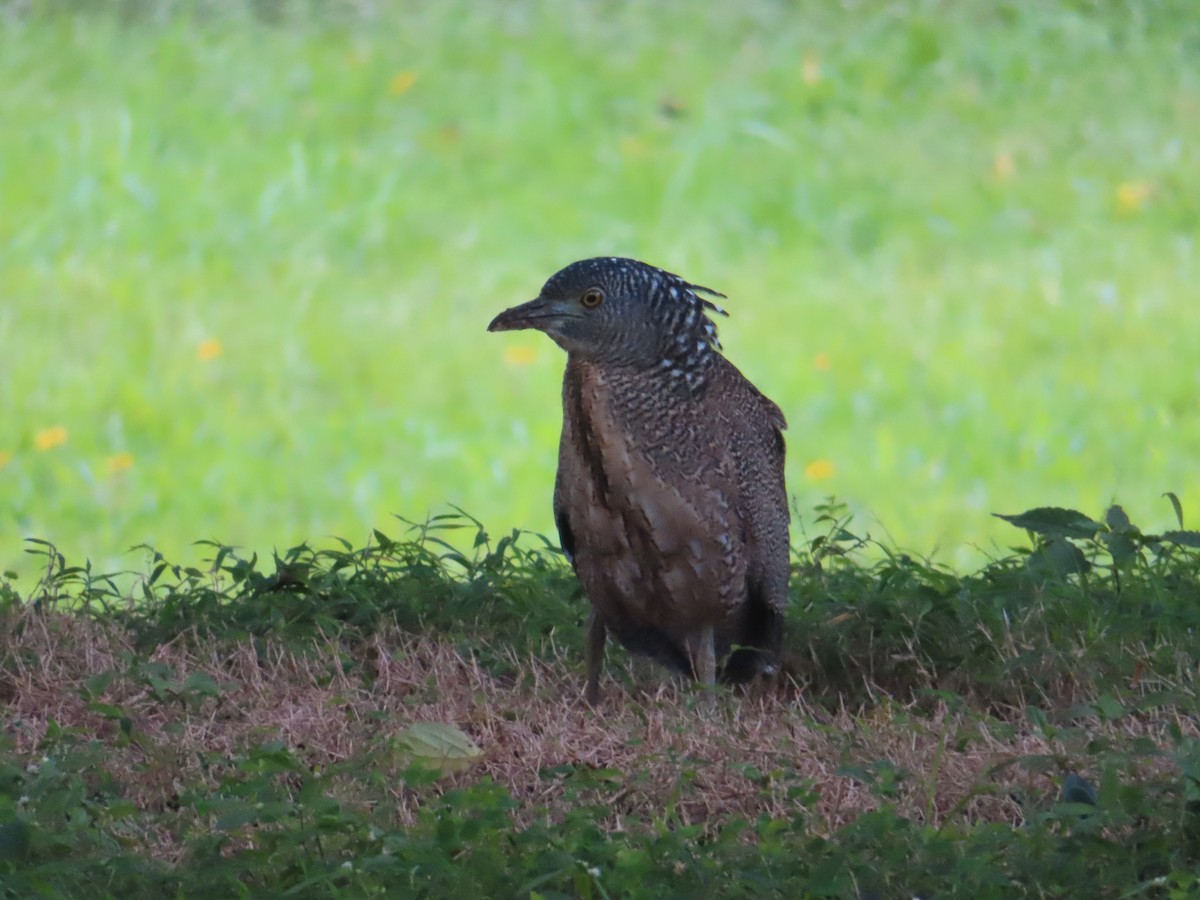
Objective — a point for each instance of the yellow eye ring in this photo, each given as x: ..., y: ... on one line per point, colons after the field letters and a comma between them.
x: 592, y: 298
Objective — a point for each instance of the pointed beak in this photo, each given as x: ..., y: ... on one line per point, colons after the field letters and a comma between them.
x: 535, y: 314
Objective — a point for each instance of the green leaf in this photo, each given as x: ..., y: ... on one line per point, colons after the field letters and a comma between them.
x: 98, y: 684
x: 1183, y: 538
x: 107, y: 710
x: 1109, y: 708
x: 1060, y: 557
x: 203, y: 684
x: 441, y: 747
x: 1073, y: 811
x: 1170, y: 495
x: 1117, y: 520
x: 1120, y: 546
x: 1054, y: 521
x: 242, y: 814
x: 14, y: 839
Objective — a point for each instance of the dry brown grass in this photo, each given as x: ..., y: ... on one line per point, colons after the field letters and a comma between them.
x: 663, y: 753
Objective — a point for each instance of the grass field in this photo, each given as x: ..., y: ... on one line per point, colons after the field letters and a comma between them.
x: 248, y: 254
x: 393, y: 722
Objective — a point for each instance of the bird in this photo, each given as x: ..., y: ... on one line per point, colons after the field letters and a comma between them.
x: 670, y: 498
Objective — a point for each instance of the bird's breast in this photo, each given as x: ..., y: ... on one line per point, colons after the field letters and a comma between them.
x: 655, y: 530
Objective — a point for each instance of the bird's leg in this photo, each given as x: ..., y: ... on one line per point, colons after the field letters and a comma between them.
x: 593, y: 653
x: 704, y: 661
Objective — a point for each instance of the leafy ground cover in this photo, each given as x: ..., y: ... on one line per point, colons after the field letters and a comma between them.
x: 405, y: 718
x: 249, y: 249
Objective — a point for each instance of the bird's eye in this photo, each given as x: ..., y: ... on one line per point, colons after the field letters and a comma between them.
x: 592, y: 298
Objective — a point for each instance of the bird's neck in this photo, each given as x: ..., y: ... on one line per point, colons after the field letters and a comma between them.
x: 628, y: 413
x: 629, y: 392
x: 670, y: 378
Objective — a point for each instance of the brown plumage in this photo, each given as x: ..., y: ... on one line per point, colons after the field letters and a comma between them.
x: 670, y: 498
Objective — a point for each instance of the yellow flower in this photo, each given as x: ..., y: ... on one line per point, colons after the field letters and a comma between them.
x: 118, y: 462
x: 49, y: 438
x: 519, y: 355
x: 1003, y: 166
x: 810, y: 69
x: 1132, y: 196
x: 401, y: 83
x: 5, y: 459
x: 210, y: 348
x: 632, y: 146
x: 821, y: 362
x: 819, y: 470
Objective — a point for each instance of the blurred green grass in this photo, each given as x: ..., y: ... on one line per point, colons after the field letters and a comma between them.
x: 248, y: 253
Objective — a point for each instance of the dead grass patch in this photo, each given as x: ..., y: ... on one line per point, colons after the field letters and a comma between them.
x: 648, y: 753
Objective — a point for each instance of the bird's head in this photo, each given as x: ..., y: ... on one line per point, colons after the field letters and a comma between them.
x: 624, y: 312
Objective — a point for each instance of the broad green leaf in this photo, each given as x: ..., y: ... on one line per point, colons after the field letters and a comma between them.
x: 14, y: 839
x: 242, y: 814
x: 1074, y: 810
x: 441, y: 747
x: 1109, y: 708
x: 1054, y: 521
x: 1117, y: 520
x: 98, y: 684
x: 1060, y: 557
x: 202, y: 683
x: 1183, y: 538
x: 107, y: 710
x: 1120, y: 546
